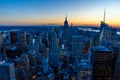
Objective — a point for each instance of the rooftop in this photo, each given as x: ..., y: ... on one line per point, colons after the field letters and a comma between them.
x: 101, y: 48
x: 1, y: 62
x: 6, y: 64
x: 74, y: 36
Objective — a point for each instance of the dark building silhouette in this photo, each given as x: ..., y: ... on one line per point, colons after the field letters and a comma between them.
x: 65, y: 29
x: 114, y: 32
x: 13, y: 36
x: 115, y: 57
x: 13, y: 52
x: 28, y: 39
x: 66, y: 22
x: 101, y: 60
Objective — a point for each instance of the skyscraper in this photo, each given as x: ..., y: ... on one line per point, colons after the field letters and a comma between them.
x: 66, y: 22
x: 32, y: 57
x: 65, y: 29
x: 54, y: 45
x: 1, y: 39
x: 24, y: 61
x: 105, y: 31
x: 115, y: 57
x: 13, y: 36
x: 7, y: 71
x: 54, y: 56
x: 77, y: 44
x: 101, y: 60
x: 45, y: 65
x: 22, y: 37
x: 37, y: 44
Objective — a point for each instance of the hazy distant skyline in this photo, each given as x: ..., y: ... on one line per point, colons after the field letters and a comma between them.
x: 79, y: 12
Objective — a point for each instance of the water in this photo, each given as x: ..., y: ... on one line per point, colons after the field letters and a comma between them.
x: 94, y: 30
x: 89, y: 29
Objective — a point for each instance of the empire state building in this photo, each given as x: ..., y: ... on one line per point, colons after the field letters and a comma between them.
x: 66, y: 22
x: 65, y: 29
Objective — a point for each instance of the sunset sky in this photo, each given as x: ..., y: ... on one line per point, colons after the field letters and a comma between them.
x: 79, y: 12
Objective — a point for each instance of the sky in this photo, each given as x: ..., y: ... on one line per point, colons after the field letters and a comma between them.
x: 39, y: 12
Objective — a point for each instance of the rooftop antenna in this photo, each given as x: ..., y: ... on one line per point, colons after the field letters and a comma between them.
x: 66, y: 17
x: 104, y: 15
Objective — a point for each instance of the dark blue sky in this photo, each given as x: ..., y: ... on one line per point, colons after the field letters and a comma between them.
x: 28, y: 12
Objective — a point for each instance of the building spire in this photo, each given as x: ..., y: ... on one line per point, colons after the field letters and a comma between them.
x: 66, y: 22
x: 104, y: 15
x: 66, y: 18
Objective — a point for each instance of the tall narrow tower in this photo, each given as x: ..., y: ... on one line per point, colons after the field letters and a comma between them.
x: 66, y: 22
x: 102, y: 27
x: 65, y: 29
x: 104, y: 15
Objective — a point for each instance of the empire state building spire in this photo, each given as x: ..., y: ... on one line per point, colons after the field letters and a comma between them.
x: 66, y: 18
x: 66, y: 22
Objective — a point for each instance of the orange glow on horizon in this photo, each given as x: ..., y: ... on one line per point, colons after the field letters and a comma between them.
x: 60, y: 21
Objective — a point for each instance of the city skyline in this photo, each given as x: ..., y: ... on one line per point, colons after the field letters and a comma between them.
x: 39, y: 12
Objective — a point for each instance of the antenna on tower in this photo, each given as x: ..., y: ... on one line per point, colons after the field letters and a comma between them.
x: 104, y: 15
x: 66, y: 17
